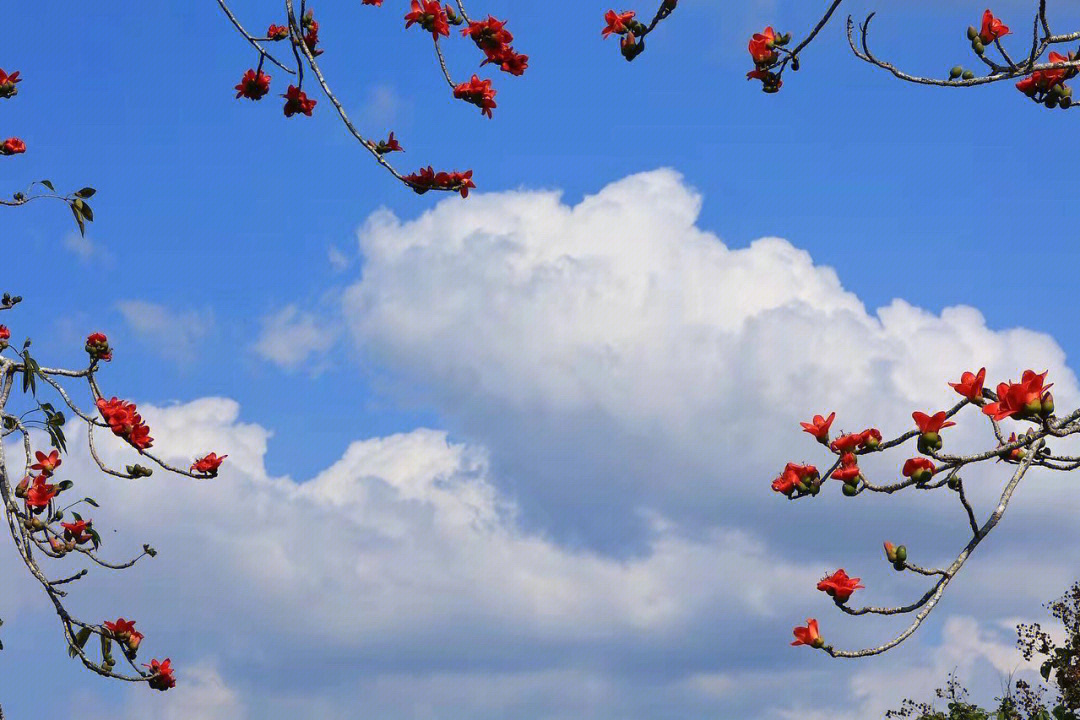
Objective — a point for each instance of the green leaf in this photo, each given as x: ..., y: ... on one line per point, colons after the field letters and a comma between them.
x: 79, y: 220
x: 86, y: 192
x: 65, y: 485
x: 87, y: 212
x: 92, y: 501
x: 80, y: 640
x: 47, y: 184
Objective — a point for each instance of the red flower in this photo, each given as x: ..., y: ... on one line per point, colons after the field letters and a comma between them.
x: 931, y: 424
x: 617, y: 23
x: 971, y: 385
x: 839, y: 585
x: 97, y: 345
x: 429, y: 15
x: 819, y: 427
x: 992, y: 28
x: 5, y: 334
x: 426, y: 179
x: 389, y: 145
x: 846, y: 443
x: 489, y: 34
x: 121, y: 628
x: 478, y: 92
x: 870, y: 438
x: 46, y: 464
x: 919, y: 469
x: 1043, y: 80
x: 12, y: 146
x: 1021, y: 399
x: 161, y: 674
x: 1016, y: 454
x: 508, y: 61
x: 377, y: 3
x: 78, y: 531
x: 40, y: 494
x: 208, y: 464
x: 124, y: 420
x: 808, y: 635
x: 311, y: 37
x: 297, y: 101
x: 792, y: 476
x: 253, y: 85
x: 277, y: 32
x: 7, y: 84
x: 761, y: 46
x: 849, y: 468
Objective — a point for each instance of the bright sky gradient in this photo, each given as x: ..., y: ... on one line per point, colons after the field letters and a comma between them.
x: 569, y: 414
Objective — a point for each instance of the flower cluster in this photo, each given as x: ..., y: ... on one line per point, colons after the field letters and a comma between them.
x: 297, y: 101
x: 1048, y: 86
x: 12, y: 146
x: 494, y: 39
x: 426, y: 179
x: 124, y: 420
x: 124, y: 632
x: 991, y: 31
x: 478, y: 92
x: 632, y: 43
x: 430, y: 16
x: 763, y: 51
x: 798, y: 480
x: 161, y: 674
x: 1024, y: 400
x: 97, y: 346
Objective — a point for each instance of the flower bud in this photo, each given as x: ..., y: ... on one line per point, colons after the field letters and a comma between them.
x: 968, y: 75
x: 898, y: 566
x: 956, y: 72
x: 20, y: 489
x: 972, y: 33
x: 954, y: 483
x: 978, y: 47
x: 929, y: 442
x: 817, y: 644
x: 1048, y: 400
x: 850, y: 490
x: 901, y: 553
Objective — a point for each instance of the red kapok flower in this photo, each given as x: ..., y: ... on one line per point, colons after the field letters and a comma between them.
x: 426, y: 179
x: 40, y: 494
x: 761, y: 46
x: 1016, y: 454
x: 277, y: 32
x: 870, y: 438
x: 97, y: 346
x: 12, y: 146
x: 429, y: 15
x: 5, y: 334
x: 208, y: 464
x: 161, y: 674
x: 918, y: 469
x: 839, y: 585
x: 297, y: 101
x: 992, y: 28
x: 819, y: 427
x: 78, y: 531
x: 508, y: 61
x: 931, y: 423
x: 808, y: 635
x: 253, y: 85
x: 489, y: 34
x: 617, y: 23
x: 388, y: 145
x: 46, y: 464
x: 1043, y: 80
x: 478, y: 92
x: 792, y: 476
x: 120, y: 629
x: 971, y: 385
x: 7, y: 84
x: 1019, y: 400
x: 377, y: 3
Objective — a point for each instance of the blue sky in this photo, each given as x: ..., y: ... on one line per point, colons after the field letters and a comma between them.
x: 215, y: 216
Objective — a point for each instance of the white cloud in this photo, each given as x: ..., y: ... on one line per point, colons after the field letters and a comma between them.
x: 173, y: 334
x: 289, y: 337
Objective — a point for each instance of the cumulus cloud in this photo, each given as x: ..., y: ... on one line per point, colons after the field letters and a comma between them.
x: 173, y: 334
x: 614, y: 352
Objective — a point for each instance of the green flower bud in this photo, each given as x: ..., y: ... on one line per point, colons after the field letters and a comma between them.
x: 901, y: 553
x: 972, y: 33
x: 850, y: 490
x: 956, y: 72
x: 968, y: 75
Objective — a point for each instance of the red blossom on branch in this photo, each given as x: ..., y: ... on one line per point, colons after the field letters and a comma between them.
x: 78, y: 531
x: 39, y: 494
x: 617, y: 23
x: 992, y: 28
x: 124, y: 420
x: 478, y: 92
x: 971, y: 385
x: 208, y: 464
x: 12, y: 146
x: 429, y: 15
x: 808, y: 635
x: 1021, y: 400
x: 7, y: 84
x: 46, y: 464
x: 97, y: 346
x: 253, y: 85
x: 819, y: 427
x: 161, y: 674
x: 297, y: 101
x: 839, y: 586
